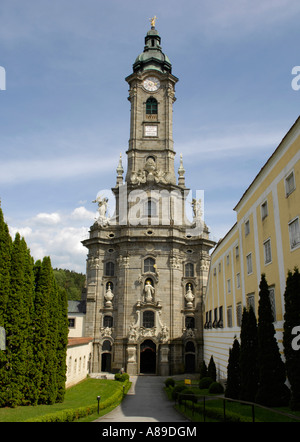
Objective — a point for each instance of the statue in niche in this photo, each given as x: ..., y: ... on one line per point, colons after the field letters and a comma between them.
x: 133, y: 333
x: 149, y: 291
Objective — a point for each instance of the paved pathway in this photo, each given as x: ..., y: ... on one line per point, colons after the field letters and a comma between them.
x: 145, y: 402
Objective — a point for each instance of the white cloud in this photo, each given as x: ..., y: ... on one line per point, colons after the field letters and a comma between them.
x: 82, y: 214
x: 47, y: 218
x: 59, y: 236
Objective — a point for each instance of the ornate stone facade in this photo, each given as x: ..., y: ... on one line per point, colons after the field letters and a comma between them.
x: 147, y: 265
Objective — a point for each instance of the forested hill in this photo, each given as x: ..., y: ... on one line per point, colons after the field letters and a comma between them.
x: 71, y: 281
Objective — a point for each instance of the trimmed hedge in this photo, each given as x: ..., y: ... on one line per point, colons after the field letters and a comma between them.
x: 69, y: 415
x: 121, y: 377
x: 170, y: 382
x: 205, y: 383
x: 216, y: 388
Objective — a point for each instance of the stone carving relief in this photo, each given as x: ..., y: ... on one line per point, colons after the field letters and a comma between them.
x: 138, y: 333
x: 150, y: 174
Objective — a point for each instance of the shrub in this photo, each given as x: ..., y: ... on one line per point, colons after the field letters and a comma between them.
x: 169, y: 382
x: 177, y: 390
x: 216, y: 388
x: 121, y: 377
x: 205, y: 383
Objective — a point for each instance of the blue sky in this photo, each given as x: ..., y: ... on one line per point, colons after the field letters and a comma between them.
x: 64, y: 115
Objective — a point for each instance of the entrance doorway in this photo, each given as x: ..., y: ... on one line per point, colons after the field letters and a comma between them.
x: 106, y: 362
x: 190, y: 357
x: 148, y: 357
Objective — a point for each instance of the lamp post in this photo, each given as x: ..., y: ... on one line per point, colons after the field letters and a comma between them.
x: 98, y: 399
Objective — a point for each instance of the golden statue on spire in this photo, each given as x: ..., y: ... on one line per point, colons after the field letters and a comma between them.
x: 152, y: 21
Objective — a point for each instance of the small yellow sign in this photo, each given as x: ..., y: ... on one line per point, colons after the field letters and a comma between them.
x: 188, y: 382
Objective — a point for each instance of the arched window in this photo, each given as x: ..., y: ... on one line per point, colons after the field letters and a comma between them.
x: 151, y: 207
x: 106, y: 346
x: 151, y: 106
x: 189, y: 270
x: 149, y: 265
x: 110, y: 285
x: 148, y: 319
x: 108, y: 321
x: 189, y: 346
x: 109, y: 269
x: 189, y: 322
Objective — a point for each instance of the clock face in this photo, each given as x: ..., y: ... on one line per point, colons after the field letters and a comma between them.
x: 151, y: 84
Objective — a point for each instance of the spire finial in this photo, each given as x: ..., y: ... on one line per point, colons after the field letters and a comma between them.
x: 181, y: 172
x: 152, y: 21
x: 120, y: 171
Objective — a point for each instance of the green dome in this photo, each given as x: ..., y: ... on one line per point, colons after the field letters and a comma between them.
x: 152, y: 57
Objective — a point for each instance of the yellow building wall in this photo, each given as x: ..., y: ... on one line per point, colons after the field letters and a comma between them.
x: 270, y: 186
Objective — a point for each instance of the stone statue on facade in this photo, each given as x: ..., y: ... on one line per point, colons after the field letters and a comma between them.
x: 149, y: 292
x: 102, y: 219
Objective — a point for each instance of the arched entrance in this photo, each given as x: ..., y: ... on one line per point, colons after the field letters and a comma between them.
x: 190, y: 357
x: 148, y: 357
x: 106, y: 356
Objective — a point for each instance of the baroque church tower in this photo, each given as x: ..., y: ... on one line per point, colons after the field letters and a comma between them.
x: 147, y: 266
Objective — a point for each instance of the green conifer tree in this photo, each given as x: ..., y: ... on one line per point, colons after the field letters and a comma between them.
x: 16, y: 332
x: 290, y: 340
x: 62, y: 342
x: 41, y: 329
x: 203, y: 370
x: 248, y: 356
x: 272, y: 390
x: 5, y: 263
x: 233, y: 372
x: 211, y: 369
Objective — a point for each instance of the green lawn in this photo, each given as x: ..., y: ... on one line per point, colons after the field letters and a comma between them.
x: 232, y: 408
x: 83, y: 394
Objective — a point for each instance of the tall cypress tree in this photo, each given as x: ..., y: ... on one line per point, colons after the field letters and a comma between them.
x: 248, y: 356
x: 62, y: 342
x: 272, y: 390
x: 16, y: 332
x: 292, y: 320
x: 233, y: 372
x: 5, y: 263
x: 41, y: 326
x: 30, y: 394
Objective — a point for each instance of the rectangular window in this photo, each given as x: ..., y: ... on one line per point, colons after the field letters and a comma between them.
x: 294, y: 232
x: 220, y: 323
x: 249, y: 263
x: 239, y: 314
x: 237, y: 253
x: 290, y: 184
x: 228, y: 286
x: 229, y: 316
x: 267, y: 251
x: 272, y: 302
x: 227, y: 260
x: 264, y: 210
x: 238, y: 281
x: 71, y: 322
x: 247, y: 228
x: 251, y: 301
